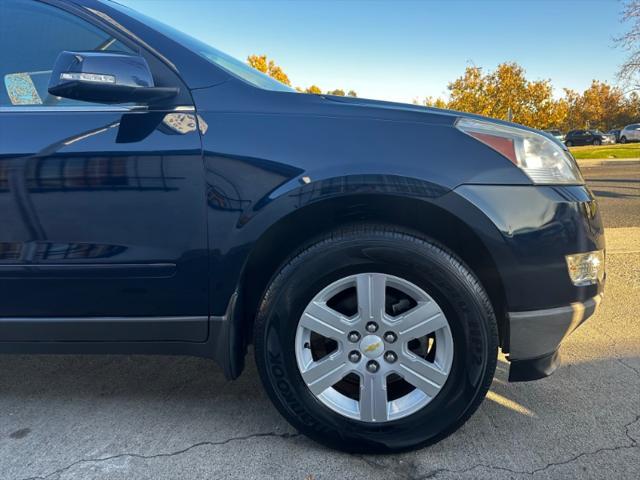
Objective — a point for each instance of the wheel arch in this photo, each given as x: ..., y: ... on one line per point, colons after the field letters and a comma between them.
x: 425, y: 218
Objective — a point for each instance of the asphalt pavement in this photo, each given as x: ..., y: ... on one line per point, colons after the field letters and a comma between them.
x: 112, y: 418
x: 618, y: 190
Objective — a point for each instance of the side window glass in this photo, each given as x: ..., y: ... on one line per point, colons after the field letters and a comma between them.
x: 32, y: 34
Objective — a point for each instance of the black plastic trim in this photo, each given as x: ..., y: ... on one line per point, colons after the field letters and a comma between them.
x: 215, y: 337
x: 534, y: 369
x: 103, y: 329
x: 538, y: 333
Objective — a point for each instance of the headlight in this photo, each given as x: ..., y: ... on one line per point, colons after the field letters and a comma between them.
x: 542, y: 159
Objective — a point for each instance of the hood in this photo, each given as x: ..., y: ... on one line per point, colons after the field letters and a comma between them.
x: 447, y: 116
x: 382, y: 104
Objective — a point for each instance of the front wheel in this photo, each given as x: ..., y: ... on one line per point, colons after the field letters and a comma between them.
x: 623, y: 139
x: 373, y: 339
x: 596, y: 142
x: 569, y: 143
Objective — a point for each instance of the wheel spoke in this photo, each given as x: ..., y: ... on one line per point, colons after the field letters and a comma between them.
x: 323, y: 320
x: 325, y: 373
x: 373, y: 398
x: 420, y: 321
x: 373, y: 345
x: 421, y: 374
x: 371, y: 291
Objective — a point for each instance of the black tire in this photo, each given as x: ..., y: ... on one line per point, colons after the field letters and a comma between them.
x: 569, y: 143
x: 374, y: 248
x: 596, y: 142
x: 623, y: 139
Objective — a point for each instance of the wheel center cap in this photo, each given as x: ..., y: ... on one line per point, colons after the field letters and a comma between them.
x: 372, y: 346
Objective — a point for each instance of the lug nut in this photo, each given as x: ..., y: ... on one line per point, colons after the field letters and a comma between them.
x: 354, y: 337
x: 372, y: 327
x: 354, y: 356
x: 390, y: 337
x: 390, y: 357
x: 372, y: 366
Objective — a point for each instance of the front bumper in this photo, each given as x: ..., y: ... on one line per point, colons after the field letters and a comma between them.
x: 528, y: 232
x: 535, y: 336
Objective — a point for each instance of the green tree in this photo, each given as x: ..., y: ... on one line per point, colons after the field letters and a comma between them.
x: 352, y: 93
x: 339, y: 92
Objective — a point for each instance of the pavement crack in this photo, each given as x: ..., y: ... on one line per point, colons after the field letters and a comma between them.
x: 632, y: 445
x: 60, y: 471
x: 620, y: 360
x: 400, y: 469
x: 634, y: 442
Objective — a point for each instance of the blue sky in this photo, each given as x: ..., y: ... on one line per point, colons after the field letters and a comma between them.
x: 402, y: 50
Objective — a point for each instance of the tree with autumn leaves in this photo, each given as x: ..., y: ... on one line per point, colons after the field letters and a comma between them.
x: 506, y: 93
x: 601, y: 106
x: 265, y: 65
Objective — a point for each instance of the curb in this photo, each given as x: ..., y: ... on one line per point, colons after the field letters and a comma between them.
x: 595, y: 162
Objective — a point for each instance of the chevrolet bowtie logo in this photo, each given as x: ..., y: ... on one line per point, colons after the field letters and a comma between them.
x: 372, y: 347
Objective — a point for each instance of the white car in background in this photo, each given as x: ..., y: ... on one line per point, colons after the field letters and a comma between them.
x: 630, y: 133
x: 557, y: 134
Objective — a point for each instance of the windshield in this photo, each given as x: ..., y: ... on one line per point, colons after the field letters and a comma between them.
x: 213, y: 55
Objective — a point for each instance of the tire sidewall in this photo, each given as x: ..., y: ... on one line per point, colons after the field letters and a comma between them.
x: 428, y: 267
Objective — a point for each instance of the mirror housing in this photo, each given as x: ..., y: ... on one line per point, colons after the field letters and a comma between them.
x: 105, y: 77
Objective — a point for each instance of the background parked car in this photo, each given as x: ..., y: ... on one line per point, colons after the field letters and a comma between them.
x: 616, y: 133
x: 588, y: 137
x: 630, y: 133
x: 555, y: 133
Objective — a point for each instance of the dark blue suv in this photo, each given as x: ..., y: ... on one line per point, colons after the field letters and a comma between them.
x: 160, y: 197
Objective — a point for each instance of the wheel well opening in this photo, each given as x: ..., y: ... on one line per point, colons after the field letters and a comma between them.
x: 293, y: 232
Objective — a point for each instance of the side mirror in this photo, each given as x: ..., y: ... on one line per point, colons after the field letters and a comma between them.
x: 105, y: 77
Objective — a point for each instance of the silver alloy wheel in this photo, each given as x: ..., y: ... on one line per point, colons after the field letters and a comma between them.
x: 385, y: 353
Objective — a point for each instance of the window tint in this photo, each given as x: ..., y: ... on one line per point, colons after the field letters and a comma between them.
x: 32, y: 34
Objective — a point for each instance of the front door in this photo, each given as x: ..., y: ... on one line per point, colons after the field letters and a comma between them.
x: 102, y: 208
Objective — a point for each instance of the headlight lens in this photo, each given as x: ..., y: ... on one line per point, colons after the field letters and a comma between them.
x: 542, y: 159
x: 586, y: 268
